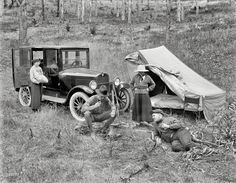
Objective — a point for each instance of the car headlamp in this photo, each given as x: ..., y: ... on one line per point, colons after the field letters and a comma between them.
x: 117, y: 81
x: 93, y: 85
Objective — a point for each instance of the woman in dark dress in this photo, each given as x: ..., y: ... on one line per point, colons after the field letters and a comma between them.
x: 36, y: 78
x: 141, y: 84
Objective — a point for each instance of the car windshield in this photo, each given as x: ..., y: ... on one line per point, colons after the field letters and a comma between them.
x: 74, y: 58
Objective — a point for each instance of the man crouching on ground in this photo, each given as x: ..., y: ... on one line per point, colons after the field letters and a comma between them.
x: 99, y: 108
x: 171, y: 131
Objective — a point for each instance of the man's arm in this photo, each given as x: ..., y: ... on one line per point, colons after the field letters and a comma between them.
x: 87, y: 105
x: 132, y: 83
x: 152, y: 84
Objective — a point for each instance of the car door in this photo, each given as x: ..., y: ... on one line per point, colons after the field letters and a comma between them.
x: 51, y: 70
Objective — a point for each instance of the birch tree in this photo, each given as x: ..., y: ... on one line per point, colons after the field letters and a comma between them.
x: 168, y: 20
x: 96, y: 8
x: 182, y: 11
x: 2, y: 5
x: 61, y: 9
x: 43, y: 12
x: 138, y: 7
x: 90, y: 10
x: 123, y: 10
x: 22, y: 21
x: 78, y: 11
x: 129, y: 11
x: 83, y: 10
x: 197, y: 7
x: 178, y: 11
x: 117, y: 9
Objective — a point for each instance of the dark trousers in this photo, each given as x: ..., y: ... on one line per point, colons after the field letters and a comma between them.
x: 36, y: 96
x: 105, y: 116
x: 181, y: 140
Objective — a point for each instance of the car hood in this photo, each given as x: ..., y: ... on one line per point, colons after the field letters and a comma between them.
x: 79, y: 72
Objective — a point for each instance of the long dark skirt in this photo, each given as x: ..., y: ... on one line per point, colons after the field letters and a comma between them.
x: 142, y: 108
x: 36, y: 94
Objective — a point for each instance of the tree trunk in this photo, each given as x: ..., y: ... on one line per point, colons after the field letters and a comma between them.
x: 2, y: 5
x: 117, y: 9
x: 138, y: 7
x: 43, y: 13
x: 129, y: 12
x: 23, y: 23
x: 123, y: 10
x: 168, y: 21
x: 5, y: 4
x: 178, y: 11
x: 58, y: 8
x: 197, y: 7
x: 90, y: 10
x: 148, y: 4
x: 78, y: 9
x: 182, y: 11
x: 96, y: 8
x: 83, y: 10
x: 61, y: 7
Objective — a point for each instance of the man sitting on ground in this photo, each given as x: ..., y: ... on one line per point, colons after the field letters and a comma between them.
x: 99, y: 108
x: 171, y: 131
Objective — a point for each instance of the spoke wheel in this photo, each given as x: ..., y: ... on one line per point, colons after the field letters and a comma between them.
x: 124, y: 99
x: 76, y: 102
x: 24, y: 96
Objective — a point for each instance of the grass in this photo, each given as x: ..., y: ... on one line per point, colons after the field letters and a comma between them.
x: 43, y: 146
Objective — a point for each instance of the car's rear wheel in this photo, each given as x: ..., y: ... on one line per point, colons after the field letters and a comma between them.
x: 24, y: 96
x: 76, y: 102
x: 124, y: 99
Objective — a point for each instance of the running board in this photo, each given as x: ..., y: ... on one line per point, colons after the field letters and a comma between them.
x: 54, y: 99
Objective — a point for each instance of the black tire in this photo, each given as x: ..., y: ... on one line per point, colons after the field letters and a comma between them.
x: 24, y: 96
x: 124, y: 99
x: 75, y: 104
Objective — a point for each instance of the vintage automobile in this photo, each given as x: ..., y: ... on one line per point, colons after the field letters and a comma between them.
x: 71, y: 81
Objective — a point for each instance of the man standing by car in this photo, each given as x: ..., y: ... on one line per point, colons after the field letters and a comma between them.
x: 99, y: 108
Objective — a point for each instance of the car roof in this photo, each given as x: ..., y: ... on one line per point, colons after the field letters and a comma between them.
x: 53, y: 47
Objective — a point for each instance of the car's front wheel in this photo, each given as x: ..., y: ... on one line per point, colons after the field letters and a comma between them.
x: 24, y: 96
x: 124, y: 99
x: 76, y: 102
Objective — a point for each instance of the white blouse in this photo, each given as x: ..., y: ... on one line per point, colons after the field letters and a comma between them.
x: 36, y: 74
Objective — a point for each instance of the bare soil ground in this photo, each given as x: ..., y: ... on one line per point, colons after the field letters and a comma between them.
x: 57, y: 153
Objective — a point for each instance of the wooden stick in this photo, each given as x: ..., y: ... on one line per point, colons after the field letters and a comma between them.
x: 194, y: 139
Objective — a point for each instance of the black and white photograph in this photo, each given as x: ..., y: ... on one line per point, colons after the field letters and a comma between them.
x: 117, y: 91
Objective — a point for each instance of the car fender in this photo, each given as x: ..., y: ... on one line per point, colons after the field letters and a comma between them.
x: 79, y: 88
x: 124, y: 85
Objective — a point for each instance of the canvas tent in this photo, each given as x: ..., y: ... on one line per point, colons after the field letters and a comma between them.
x: 175, y: 80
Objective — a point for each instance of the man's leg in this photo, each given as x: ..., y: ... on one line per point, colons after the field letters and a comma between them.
x: 185, y: 138
x: 105, y: 116
x: 177, y: 146
x: 89, y: 120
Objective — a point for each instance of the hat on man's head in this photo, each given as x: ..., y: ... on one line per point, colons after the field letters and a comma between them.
x: 102, y: 90
x: 141, y: 68
x: 35, y: 60
x: 157, y: 117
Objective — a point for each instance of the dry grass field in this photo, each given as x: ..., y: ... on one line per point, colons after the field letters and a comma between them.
x: 43, y: 146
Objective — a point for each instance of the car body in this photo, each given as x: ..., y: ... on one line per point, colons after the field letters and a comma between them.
x: 71, y: 81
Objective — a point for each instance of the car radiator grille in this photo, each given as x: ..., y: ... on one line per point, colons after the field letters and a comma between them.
x: 103, y: 79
